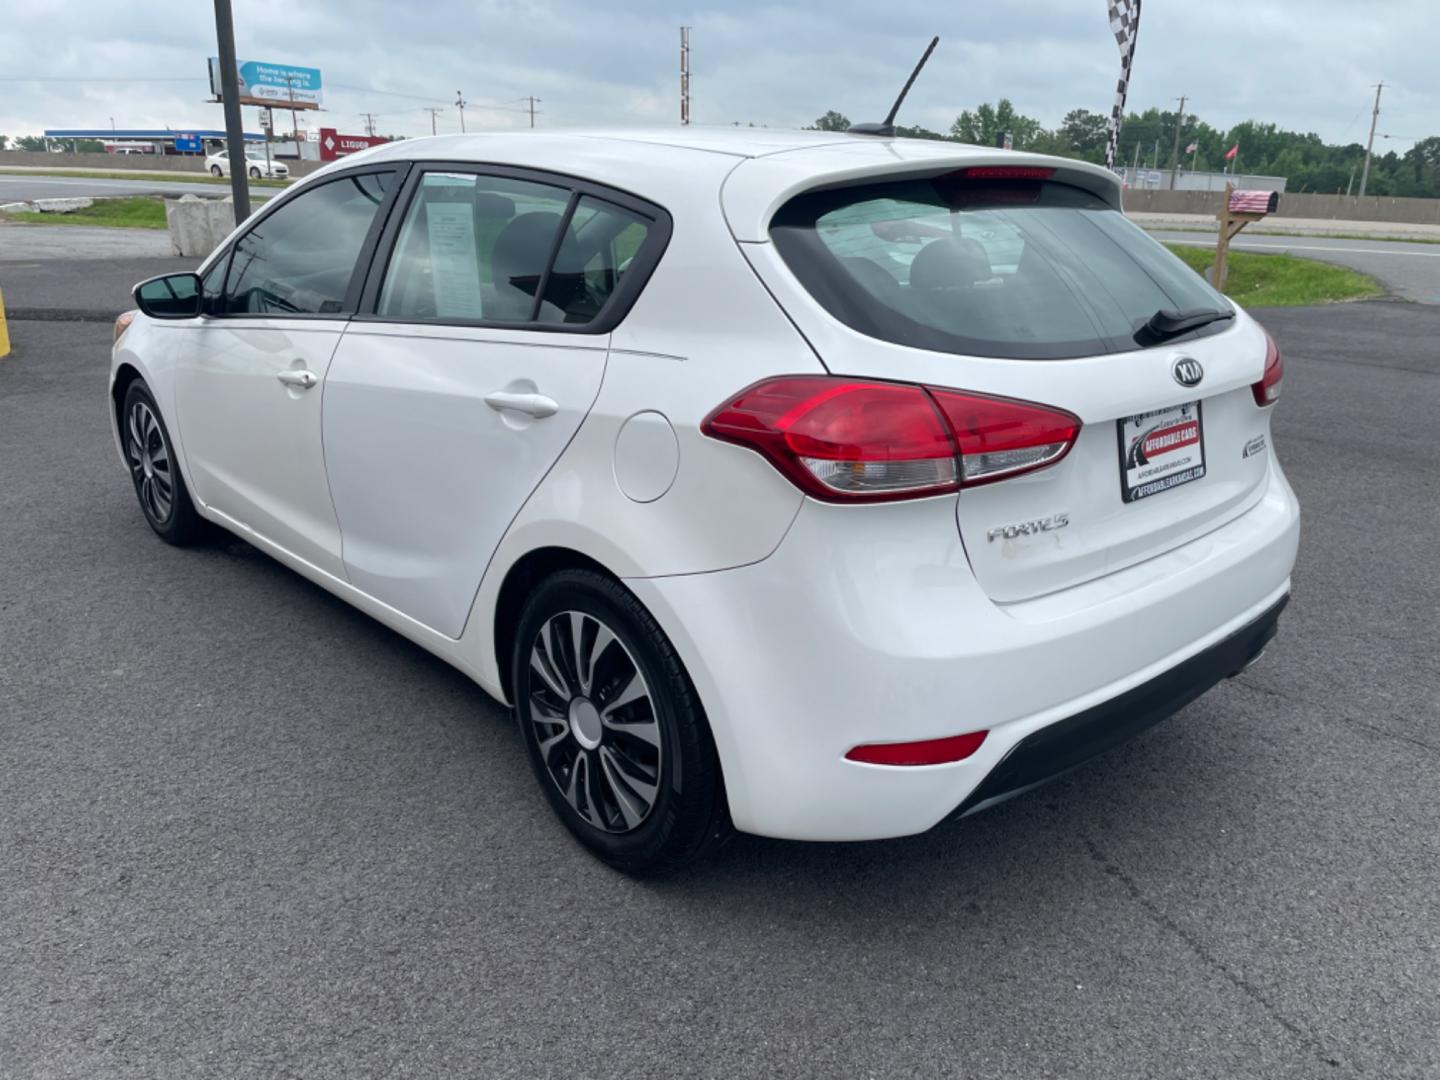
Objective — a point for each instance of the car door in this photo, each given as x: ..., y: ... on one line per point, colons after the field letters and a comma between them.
x: 478, y: 356
x: 249, y: 386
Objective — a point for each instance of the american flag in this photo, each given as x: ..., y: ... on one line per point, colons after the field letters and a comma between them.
x: 1125, y: 23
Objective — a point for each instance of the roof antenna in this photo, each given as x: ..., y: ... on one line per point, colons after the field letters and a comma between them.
x: 886, y: 129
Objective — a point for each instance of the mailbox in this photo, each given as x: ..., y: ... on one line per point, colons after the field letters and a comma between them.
x: 1254, y: 202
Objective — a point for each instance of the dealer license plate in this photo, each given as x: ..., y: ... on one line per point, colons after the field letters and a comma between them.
x: 1160, y: 450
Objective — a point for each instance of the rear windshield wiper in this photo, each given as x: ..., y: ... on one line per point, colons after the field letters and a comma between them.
x: 1165, y: 323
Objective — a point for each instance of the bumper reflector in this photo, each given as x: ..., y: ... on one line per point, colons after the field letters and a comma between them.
x: 928, y: 752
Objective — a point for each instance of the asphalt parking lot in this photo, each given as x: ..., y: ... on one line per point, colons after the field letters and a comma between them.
x: 247, y: 832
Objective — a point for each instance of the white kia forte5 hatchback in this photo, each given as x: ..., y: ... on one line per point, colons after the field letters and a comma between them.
x: 817, y: 486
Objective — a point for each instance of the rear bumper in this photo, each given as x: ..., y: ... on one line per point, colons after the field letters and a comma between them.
x: 1056, y: 749
x: 867, y: 625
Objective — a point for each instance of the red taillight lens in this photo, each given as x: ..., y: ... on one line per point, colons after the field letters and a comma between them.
x: 999, y: 438
x: 928, y: 752
x: 1267, y: 390
x: 845, y: 440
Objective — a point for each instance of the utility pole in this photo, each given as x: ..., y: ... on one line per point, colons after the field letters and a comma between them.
x: 433, y: 114
x: 1374, y: 119
x: 533, y: 102
x: 460, y: 104
x: 1175, y: 151
x: 684, y: 74
x: 369, y: 123
x: 294, y: 117
x: 230, y: 99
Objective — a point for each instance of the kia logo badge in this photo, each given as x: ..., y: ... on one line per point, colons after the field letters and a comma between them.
x: 1188, y: 372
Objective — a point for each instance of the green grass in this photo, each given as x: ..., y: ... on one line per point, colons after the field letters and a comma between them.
x: 1282, y: 233
x: 139, y: 212
x: 1282, y: 280
x: 139, y: 174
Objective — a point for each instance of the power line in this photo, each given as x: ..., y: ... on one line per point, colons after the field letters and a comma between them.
x: 87, y: 79
x: 431, y: 98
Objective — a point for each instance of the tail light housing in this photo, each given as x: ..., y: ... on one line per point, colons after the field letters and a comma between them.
x: 852, y: 440
x: 1000, y: 438
x: 1267, y: 390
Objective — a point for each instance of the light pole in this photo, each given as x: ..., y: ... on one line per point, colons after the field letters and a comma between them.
x: 230, y: 99
x: 1175, y: 151
x: 1374, y: 119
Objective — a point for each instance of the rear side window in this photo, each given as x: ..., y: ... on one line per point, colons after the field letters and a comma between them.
x: 473, y: 248
x: 300, y: 259
x: 477, y: 248
x: 1014, y: 269
x: 598, y: 249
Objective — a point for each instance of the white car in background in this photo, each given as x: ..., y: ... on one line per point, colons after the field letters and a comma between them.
x: 822, y: 486
x: 256, y: 166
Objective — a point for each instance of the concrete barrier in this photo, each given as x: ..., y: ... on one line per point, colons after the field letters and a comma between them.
x: 1307, y: 205
x: 197, y: 226
x: 62, y: 206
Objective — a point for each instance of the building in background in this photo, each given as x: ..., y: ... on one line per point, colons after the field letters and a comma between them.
x: 197, y: 142
x: 1159, y: 180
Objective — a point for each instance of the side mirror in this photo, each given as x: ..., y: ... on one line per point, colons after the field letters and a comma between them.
x: 173, y: 296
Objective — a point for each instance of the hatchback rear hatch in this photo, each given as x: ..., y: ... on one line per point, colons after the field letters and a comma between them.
x: 1106, y: 404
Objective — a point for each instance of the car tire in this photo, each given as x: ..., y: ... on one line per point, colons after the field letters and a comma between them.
x: 216, y: 171
x: 154, y: 470
x: 597, y: 681
x: 254, y: 174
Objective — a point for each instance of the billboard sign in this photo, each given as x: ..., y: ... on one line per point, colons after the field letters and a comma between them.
x: 334, y: 145
x: 285, y: 85
x: 187, y: 142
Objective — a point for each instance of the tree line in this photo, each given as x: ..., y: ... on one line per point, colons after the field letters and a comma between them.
x: 1306, y: 161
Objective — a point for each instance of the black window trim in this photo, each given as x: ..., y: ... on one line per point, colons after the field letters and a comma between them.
x: 354, y: 290
x: 643, y: 264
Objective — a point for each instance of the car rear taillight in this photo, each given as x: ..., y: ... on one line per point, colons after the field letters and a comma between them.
x: 847, y: 440
x: 999, y: 438
x: 840, y: 439
x: 1267, y: 390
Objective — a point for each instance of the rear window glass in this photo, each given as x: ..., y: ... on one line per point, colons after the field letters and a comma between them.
x: 1016, y: 269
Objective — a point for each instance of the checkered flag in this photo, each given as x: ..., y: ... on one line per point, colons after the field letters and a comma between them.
x: 1125, y: 23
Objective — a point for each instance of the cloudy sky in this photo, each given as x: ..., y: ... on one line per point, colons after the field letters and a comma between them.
x: 1305, y: 64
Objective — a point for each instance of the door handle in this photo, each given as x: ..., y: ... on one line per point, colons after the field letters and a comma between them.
x: 536, y: 405
x: 298, y: 379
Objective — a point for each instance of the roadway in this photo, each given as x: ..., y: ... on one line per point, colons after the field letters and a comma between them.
x: 1410, y: 271
x: 245, y: 831
x: 16, y: 187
